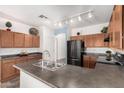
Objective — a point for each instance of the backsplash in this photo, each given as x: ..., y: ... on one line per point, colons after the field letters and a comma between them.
x: 98, y: 50
x: 8, y: 51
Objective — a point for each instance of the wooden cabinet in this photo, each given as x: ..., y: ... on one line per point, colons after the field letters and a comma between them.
x: 89, y: 61
x: 28, y: 41
x: 116, y: 29
x: 7, y: 69
x: 10, y: 39
x: 19, y: 40
x: 89, y: 42
x: 0, y: 70
x: 36, y: 41
x: 94, y: 40
x: 77, y: 38
x: 99, y: 40
x: 6, y: 39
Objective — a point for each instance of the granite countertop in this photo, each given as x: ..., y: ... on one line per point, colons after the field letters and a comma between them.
x: 17, y: 55
x: 103, y: 76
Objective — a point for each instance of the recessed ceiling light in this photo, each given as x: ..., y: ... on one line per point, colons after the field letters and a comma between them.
x: 79, y: 18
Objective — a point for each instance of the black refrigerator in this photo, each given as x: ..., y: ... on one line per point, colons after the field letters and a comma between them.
x: 75, y: 49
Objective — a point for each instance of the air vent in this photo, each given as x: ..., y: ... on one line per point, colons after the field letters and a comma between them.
x: 42, y: 16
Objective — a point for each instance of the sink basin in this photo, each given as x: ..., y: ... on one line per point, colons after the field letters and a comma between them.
x: 49, y: 65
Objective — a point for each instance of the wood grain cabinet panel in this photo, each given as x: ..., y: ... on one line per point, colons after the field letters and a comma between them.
x: 89, y: 61
x: 99, y: 40
x: 0, y: 70
x: 6, y: 39
x: 89, y: 41
x: 19, y: 40
x: 77, y: 37
x: 7, y: 69
x: 28, y: 41
x: 116, y: 28
x: 36, y: 41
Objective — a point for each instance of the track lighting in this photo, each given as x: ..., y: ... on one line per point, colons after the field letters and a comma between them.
x: 79, y: 18
x: 71, y: 21
x: 60, y: 24
x: 90, y: 15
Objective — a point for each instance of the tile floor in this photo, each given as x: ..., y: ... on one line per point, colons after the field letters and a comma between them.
x: 14, y: 83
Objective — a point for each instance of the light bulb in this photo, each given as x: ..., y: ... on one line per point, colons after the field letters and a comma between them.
x: 60, y: 24
x: 90, y: 15
x: 71, y: 21
x: 79, y: 18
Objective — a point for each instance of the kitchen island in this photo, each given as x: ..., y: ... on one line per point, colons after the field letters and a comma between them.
x: 68, y: 76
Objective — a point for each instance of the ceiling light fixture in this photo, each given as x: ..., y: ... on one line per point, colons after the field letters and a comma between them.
x: 90, y: 15
x: 71, y: 21
x: 60, y: 24
x: 79, y: 18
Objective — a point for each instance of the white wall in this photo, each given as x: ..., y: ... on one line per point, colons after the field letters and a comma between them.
x: 88, y: 30
x: 17, y: 27
x: 91, y: 30
x: 48, y: 40
x: 60, y: 46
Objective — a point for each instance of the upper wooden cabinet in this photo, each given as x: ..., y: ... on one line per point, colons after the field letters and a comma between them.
x: 28, y: 41
x: 18, y: 40
x: 10, y: 39
x: 99, y: 40
x: 116, y: 28
x: 6, y: 39
x: 36, y: 41
x: 89, y: 41
x: 77, y: 38
x: 94, y: 40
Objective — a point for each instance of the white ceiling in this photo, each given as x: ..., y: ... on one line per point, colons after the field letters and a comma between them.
x: 29, y: 13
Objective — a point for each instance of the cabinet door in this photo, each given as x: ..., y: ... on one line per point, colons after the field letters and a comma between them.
x: 0, y: 71
x: 28, y: 41
x: 89, y: 41
x: 86, y: 60
x: 117, y: 40
x: 99, y: 40
x: 89, y: 61
x: 36, y: 41
x: 92, y: 62
x: 77, y: 37
x: 6, y: 39
x: 7, y: 69
x: 18, y: 40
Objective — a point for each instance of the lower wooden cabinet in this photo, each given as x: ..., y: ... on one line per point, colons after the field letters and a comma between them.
x: 7, y: 71
x: 89, y: 61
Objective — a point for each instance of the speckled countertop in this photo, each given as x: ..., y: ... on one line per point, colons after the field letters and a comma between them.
x: 17, y: 55
x: 103, y: 76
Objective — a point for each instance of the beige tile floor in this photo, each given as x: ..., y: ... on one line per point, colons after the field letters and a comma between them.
x: 14, y: 83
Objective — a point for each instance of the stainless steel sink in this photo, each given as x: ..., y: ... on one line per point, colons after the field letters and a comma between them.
x: 49, y: 65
